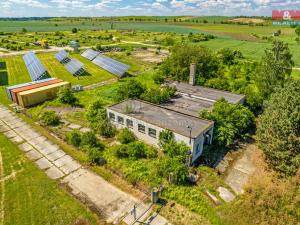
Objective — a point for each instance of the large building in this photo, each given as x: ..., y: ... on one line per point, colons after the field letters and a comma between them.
x: 147, y: 121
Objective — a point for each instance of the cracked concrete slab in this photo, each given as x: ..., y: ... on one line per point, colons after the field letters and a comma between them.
x: 17, y: 139
x: 225, y: 194
x: 54, y: 173
x: 10, y: 134
x: 34, y: 155
x: 43, y: 163
x: 25, y: 147
x: 70, y: 167
x: 55, y: 155
x: 62, y: 161
x: 4, y: 128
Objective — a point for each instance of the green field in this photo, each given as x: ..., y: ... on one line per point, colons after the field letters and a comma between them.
x: 31, y: 197
x: 34, y: 26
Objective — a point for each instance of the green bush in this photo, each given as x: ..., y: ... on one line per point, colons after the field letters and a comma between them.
x: 66, y: 96
x: 135, y: 150
x: 105, y: 128
x: 96, y: 112
x: 126, y: 136
x: 95, y: 157
x: 231, y: 121
x: 174, y: 149
x: 173, y: 167
x: 89, y: 139
x: 49, y: 118
x: 157, y: 95
x: 74, y: 138
x: 130, y: 89
x: 158, y: 78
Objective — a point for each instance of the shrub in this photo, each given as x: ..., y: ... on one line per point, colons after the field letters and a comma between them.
x: 173, y: 167
x: 74, y: 30
x: 231, y: 121
x: 157, y: 95
x: 95, y: 157
x: 158, y: 78
x: 105, y: 128
x: 165, y: 136
x: 49, y: 118
x: 66, y: 96
x: 130, y: 89
x: 96, y: 112
x: 125, y: 136
x: 174, y: 149
x: 90, y: 139
x: 74, y: 138
x: 135, y: 150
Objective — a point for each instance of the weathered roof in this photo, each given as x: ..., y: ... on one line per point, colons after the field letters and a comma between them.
x: 186, y: 105
x: 208, y: 94
x: 165, y: 118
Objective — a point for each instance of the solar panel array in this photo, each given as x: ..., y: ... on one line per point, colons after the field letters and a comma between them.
x: 111, y: 65
x: 74, y: 67
x: 61, y: 56
x: 90, y: 54
x: 35, y: 68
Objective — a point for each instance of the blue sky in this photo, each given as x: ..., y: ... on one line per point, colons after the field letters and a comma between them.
x: 22, y: 8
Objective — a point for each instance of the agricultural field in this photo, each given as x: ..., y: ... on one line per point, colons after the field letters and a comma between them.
x: 30, y: 197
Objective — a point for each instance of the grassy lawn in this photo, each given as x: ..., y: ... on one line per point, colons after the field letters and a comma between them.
x: 31, y: 197
x: 56, y: 69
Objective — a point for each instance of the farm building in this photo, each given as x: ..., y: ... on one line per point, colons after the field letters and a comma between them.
x: 148, y: 120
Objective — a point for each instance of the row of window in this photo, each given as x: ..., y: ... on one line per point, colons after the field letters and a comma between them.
x: 129, y: 124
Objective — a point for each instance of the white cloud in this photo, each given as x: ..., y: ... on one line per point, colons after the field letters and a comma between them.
x: 29, y: 3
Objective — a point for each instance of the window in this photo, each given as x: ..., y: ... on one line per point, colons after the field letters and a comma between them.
x: 112, y: 116
x: 141, y: 128
x: 152, y: 132
x: 120, y: 120
x: 129, y: 123
x: 198, y: 149
x: 207, y: 138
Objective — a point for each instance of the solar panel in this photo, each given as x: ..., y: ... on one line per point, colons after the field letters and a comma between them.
x: 35, y: 68
x: 74, y: 66
x: 61, y: 56
x: 111, y: 65
x: 90, y: 54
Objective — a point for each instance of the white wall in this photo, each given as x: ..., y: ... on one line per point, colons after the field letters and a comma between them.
x: 155, y: 141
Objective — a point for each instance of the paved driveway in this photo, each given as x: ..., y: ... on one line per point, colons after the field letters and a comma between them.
x: 111, y: 201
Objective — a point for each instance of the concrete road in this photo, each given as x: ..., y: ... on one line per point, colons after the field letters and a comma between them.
x: 115, y: 204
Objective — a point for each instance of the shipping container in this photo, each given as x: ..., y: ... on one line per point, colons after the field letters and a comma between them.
x: 15, y: 91
x: 8, y: 89
x: 40, y: 95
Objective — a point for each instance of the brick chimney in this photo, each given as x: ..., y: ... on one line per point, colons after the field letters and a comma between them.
x: 192, y: 74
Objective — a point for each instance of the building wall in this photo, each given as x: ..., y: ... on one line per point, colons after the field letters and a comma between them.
x: 196, y: 144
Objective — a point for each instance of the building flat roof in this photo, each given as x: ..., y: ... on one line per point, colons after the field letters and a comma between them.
x: 208, y: 94
x: 162, y: 117
x: 186, y: 105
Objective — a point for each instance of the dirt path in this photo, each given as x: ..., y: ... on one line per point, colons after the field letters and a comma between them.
x: 89, y: 187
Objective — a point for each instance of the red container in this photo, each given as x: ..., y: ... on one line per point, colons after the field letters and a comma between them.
x: 14, y: 92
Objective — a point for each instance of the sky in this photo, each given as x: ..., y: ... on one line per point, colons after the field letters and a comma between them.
x: 43, y: 8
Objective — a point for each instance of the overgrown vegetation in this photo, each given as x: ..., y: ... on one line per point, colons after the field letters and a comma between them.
x: 66, y: 96
x: 231, y: 121
x: 278, y: 129
x: 49, y: 118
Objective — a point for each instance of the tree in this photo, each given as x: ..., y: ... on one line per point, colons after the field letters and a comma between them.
x: 74, y: 30
x: 231, y: 121
x: 49, y: 118
x: 165, y: 137
x: 24, y: 30
x: 130, y: 89
x: 182, y: 55
x: 275, y: 69
x: 278, y: 131
x: 96, y: 111
x: 66, y: 96
x: 228, y: 56
x: 126, y: 136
